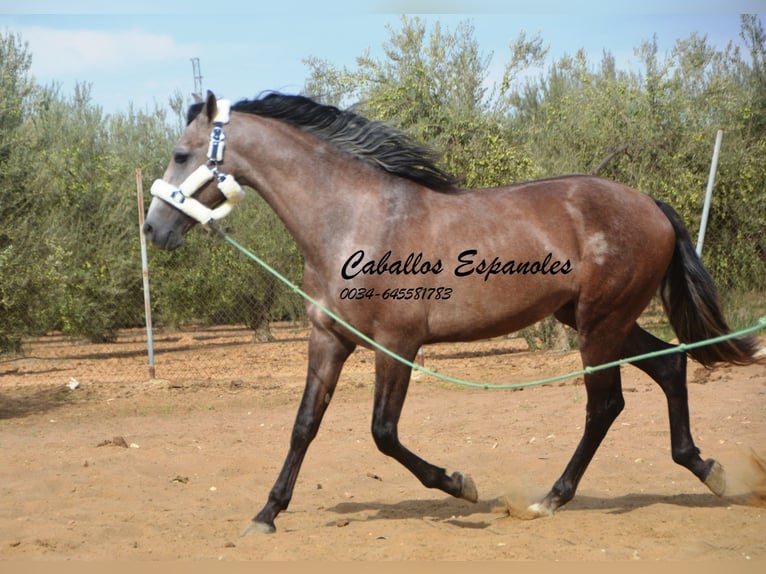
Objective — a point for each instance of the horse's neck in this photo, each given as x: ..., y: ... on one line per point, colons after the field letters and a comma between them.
x: 309, y: 189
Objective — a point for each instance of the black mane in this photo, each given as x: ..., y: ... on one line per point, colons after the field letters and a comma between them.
x: 372, y: 142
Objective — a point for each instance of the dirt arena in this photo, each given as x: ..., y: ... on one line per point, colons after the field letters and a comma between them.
x: 174, y: 468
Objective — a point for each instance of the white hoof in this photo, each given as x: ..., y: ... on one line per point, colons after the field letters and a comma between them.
x: 539, y: 510
x: 716, y: 480
x: 468, y: 489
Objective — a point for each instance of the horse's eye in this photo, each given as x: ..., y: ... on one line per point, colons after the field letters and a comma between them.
x: 180, y: 156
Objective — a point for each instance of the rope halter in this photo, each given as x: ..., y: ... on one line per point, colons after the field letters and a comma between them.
x: 180, y: 197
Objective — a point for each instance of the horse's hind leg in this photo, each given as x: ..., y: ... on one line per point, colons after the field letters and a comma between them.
x: 669, y: 371
x: 327, y: 354
x: 391, y: 383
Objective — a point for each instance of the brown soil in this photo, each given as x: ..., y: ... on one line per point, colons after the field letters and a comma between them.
x: 174, y: 468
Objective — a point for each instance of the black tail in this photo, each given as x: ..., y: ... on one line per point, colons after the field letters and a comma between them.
x: 691, y: 303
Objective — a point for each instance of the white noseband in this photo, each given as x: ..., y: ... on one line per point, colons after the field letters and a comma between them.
x: 181, y: 197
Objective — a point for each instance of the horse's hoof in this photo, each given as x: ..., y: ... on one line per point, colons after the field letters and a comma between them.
x: 262, y: 527
x: 468, y: 488
x: 539, y: 510
x: 716, y: 479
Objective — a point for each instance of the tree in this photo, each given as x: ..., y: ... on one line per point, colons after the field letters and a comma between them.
x: 69, y: 258
x: 22, y: 279
x: 79, y: 209
x: 15, y: 88
x: 433, y: 86
x: 656, y: 130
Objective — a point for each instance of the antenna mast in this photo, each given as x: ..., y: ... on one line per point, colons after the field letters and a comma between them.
x: 197, y: 76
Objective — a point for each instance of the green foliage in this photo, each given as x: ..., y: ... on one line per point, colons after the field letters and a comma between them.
x: 31, y: 267
x: 207, y: 282
x: 655, y: 130
x: 69, y: 257
x: 433, y: 87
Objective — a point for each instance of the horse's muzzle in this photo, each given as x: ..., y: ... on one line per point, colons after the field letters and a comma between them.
x: 165, y: 226
x: 168, y: 239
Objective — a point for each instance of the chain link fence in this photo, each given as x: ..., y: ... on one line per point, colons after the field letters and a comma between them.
x: 208, y: 304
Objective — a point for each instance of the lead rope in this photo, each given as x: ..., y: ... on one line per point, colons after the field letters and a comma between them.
x: 681, y: 348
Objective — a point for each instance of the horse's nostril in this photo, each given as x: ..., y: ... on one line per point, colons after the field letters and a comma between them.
x: 147, y: 228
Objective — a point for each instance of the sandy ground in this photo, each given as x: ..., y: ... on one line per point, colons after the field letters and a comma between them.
x: 174, y: 468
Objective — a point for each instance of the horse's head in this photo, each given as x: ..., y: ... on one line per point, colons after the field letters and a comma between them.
x: 193, y: 189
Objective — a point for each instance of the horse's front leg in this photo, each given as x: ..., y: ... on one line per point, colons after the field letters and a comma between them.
x: 391, y: 383
x: 327, y: 353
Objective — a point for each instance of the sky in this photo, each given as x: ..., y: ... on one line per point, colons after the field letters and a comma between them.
x: 140, y: 52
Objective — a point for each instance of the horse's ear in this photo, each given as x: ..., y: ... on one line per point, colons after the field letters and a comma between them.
x: 197, y: 98
x: 211, y: 107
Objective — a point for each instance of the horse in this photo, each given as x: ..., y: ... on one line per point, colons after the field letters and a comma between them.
x: 397, y: 248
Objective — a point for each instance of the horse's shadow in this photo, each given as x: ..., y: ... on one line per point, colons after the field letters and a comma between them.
x: 630, y: 502
x: 484, y: 513
x: 448, y: 510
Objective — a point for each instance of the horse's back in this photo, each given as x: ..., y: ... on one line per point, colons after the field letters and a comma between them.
x: 606, y: 216
x: 580, y: 211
